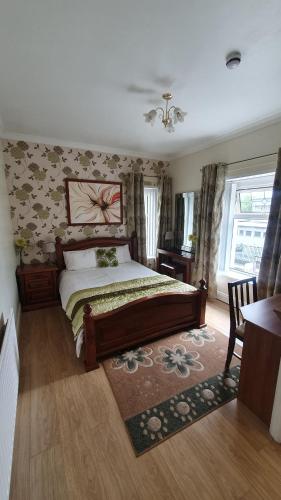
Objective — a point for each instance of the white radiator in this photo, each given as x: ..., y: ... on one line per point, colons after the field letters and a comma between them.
x: 9, y: 381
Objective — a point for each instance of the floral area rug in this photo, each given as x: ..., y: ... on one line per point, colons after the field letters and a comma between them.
x: 169, y: 384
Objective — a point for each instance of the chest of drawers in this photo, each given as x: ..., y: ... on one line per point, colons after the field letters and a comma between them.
x: 37, y: 286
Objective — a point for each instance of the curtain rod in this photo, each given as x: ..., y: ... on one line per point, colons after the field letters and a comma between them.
x: 247, y: 159
x: 153, y: 176
x: 253, y: 158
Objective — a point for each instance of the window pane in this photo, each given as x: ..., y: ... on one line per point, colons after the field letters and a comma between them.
x: 247, y: 244
x: 257, y: 201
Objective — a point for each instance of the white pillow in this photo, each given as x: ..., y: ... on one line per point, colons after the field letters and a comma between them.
x: 80, y: 259
x: 123, y: 254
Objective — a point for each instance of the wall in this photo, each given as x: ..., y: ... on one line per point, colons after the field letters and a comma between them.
x: 187, y: 176
x: 35, y: 177
x: 8, y: 295
x: 186, y: 171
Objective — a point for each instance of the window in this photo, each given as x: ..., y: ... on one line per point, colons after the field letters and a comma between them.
x: 150, y: 205
x: 245, y: 215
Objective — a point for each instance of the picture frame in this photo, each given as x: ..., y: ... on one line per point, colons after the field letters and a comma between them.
x: 93, y: 202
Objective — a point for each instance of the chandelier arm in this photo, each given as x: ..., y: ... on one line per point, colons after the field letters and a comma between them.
x: 159, y: 109
x: 168, y: 111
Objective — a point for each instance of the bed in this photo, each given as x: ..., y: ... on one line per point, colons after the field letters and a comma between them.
x: 118, y: 308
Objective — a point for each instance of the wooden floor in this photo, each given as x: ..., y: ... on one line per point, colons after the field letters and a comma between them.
x: 71, y: 442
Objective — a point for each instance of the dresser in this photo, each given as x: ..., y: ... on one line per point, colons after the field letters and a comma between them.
x: 37, y: 285
x: 179, y: 260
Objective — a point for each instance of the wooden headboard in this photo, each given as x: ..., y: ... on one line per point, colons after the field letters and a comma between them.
x: 94, y: 242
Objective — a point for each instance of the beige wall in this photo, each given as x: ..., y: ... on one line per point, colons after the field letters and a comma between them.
x: 8, y: 294
x: 187, y: 176
x: 186, y: 171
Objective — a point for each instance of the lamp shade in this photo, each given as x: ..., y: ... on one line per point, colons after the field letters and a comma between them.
x: 48, y: 247
x: 169, y: 235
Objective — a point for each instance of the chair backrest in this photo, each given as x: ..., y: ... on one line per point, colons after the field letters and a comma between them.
x: 240, y: 294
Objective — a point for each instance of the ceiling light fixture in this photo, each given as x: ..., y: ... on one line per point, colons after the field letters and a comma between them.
x: 233, y: 60
x: 168, y: 115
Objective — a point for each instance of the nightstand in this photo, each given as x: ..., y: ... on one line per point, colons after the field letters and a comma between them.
x: 37, y: 284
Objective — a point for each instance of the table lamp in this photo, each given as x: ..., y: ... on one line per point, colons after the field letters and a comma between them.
x: 169, y: 236
x: 48, y: 248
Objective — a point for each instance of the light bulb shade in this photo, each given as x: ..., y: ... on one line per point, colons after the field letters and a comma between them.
x: 179, y: 115
x: 170, y: 127
x: 169, y: 235
x: 48, y: 247
x: 150, y: 116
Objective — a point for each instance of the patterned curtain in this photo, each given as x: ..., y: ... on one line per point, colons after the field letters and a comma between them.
x: 136, y: 212
x: 269, y: 280
x: 179, y: 220
x: 208, y: 226
x: 165, y: 211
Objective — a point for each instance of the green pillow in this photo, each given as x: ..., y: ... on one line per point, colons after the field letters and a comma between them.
x: 106, y: 258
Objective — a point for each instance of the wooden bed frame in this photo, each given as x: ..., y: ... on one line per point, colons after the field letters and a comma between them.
x: 138, y: 321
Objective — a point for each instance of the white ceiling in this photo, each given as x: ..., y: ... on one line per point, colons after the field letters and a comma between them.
x: 85, y: 71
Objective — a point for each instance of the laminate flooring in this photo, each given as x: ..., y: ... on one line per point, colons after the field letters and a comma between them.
x: 71, y: 444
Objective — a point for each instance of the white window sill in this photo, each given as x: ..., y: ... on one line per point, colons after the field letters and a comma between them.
x: 223, y: 277
x: 234, y: 275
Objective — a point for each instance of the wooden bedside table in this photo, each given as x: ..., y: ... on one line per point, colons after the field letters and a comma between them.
x: 37, y: 284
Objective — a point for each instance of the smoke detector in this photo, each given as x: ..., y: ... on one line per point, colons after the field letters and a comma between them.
x: 233, y: 60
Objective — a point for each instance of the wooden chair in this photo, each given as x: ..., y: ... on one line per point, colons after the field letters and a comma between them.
x: 239, y: 295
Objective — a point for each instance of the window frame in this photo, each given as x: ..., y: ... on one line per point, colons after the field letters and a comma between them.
x: 264, y: 180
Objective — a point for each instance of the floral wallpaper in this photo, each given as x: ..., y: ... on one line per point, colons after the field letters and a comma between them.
x: 35, y: 177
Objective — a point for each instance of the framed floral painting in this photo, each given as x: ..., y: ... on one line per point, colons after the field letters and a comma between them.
x: 93, y: 202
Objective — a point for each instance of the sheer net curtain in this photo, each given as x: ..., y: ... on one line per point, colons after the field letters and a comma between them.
x: 269, y: 280
x: 151, y: 189
x: 136, y: 220
x: 136, y: 211
x: 208, y: 226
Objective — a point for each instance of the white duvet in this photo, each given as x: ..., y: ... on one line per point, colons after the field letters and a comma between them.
x: 72, y: 281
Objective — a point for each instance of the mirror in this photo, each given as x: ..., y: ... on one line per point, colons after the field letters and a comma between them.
x: 186, y: 212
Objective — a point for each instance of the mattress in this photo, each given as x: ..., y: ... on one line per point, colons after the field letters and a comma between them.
x: 73, y: 281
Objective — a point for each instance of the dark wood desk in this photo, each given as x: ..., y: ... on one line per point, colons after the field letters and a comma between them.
x: 261, y: 356
x: 185, y: 259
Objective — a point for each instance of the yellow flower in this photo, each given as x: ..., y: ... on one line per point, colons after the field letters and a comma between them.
x: 192, y: 238
x: 21, y: 243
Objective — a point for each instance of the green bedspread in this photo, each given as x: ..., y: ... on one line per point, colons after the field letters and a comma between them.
x: 107, y: 298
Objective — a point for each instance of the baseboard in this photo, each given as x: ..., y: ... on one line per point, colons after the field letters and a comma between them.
x: 222, y: 296
x: 18, y: 318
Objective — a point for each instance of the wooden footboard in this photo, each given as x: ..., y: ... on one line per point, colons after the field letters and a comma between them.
x: 141, y: 321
